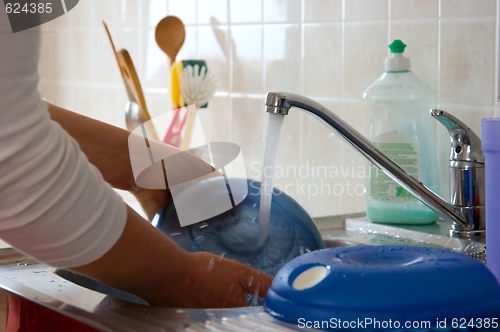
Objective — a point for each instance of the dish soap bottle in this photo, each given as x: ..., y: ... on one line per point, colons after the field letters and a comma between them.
x: 399, y: 104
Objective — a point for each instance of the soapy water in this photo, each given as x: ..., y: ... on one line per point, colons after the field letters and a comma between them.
x: 274, y: 125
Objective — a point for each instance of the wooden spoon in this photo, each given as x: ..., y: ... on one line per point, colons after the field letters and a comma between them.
x: 134, y: 90
x: 170, y: 34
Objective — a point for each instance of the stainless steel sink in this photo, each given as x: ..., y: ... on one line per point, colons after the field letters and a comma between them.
x: 109, y: 309
x: 339, y: 233
x: 96, y: 286
x: 360, y: 231
x: 335, y: 242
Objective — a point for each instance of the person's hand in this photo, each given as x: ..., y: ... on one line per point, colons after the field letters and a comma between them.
x: 151, y: 200
x: 179, y: 167
x: 217, y: 282
x: 147, y: 263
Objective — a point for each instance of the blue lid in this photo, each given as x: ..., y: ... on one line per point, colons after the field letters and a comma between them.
x: 490, y: 128
x: 382, y: 283
x: 234, y: 234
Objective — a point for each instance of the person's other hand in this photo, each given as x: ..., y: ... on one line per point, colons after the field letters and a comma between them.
x: 217, y: 282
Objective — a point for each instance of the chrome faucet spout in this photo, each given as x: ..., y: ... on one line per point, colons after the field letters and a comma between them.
x: 468, y: 222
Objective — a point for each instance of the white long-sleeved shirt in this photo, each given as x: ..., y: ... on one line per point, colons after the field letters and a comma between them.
x: 54, y: 205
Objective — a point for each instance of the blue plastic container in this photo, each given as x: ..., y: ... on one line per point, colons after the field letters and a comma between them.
x: 491, y: 147
x: 382, y: 284
x: 234, y: 234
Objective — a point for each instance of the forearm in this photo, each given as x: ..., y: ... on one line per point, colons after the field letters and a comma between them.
x: 143, y: 262
x: 105, y: 145
x: 147, y: 263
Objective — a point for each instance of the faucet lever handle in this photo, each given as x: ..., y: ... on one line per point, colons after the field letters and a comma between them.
x: 465, y: 144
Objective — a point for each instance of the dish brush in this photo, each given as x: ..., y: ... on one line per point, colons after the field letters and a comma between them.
x: 198, y: 86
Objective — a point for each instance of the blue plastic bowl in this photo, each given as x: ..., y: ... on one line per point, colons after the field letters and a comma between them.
x: 382, y: 283
x: 234, y: 234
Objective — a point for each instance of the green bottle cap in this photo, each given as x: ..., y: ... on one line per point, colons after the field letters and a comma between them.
x: 397, y: 46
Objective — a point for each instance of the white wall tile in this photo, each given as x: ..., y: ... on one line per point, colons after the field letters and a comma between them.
x: 468, y: 8
x: 365, y: 50
x: 158, y: 104
x: 322, y: 66
x: 104, y: 63
x: 282, y: 50
x: 49, y: 55
x: 213, y: 48
x: 245, y: 11
x: 156, y: 64
x: 320, y: 161
x: 209, y: 10
x: 329, y: 50
x: 116, y: 13
x: 79, y: 47
x: 216, y: 119
x: 152, y: 11
x: 247, y: 72
x: 282, y: 11
x: 189, y: 49
x: 354, y: 165
x: 322, y: 11
x: 248, y: 125
x: 414, y: 9
x: 185, y: 10
x: 62, y: 95
x: 79, y: 15
x: 467, y: 60
x: 65, y: 55
x: 357, y: 10
x: 103, y: 104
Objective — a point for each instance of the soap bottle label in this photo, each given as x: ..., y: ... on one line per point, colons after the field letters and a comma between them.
x: 402, y: 149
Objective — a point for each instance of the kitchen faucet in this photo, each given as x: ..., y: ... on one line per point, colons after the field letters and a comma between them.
x: 466, y: 210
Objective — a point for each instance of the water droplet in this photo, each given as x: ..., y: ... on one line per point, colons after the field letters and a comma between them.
x: 26, y: 263
x: 203, y: 225
x: 210, y: 265
x: 52, y: 280
x: 199, y: 239
x: 250, y: 280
